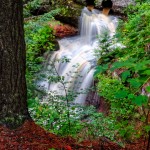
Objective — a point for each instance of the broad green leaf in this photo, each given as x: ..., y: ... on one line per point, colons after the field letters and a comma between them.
x: 117, y: 65
x: 126, y: 64
x: 140, y: 66
x: 140, y: 100
x: 105, y: 67
x: 135, y: 82
x: 125, y: 74
x: 147, y: 128
x: 143, y: 119
x: 146, y: 72
x: 131, y: 96
x: 121, y: 94
x: 100, y: 69
x: 148, y: 88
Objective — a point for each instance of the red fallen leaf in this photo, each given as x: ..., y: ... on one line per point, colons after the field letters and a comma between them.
x: 68, y: 148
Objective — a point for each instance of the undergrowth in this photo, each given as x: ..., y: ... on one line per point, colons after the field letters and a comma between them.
x: 39, y: 38
x: 123, y: 76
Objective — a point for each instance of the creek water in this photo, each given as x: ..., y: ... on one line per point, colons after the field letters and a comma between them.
x: 75, y: 61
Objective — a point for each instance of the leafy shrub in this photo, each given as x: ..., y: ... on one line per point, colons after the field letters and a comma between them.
x: 39, y: 39
x: 122, y: 79
x: 31, y: 5
x: 104, y: 45
x: 67, y: 8
x: 57, y: 114
x: 123, y: 91
x: 51, y: 113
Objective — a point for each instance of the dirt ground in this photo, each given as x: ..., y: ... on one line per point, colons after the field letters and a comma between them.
x: 32, y: 137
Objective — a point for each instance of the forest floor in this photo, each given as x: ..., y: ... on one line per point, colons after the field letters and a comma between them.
x: 32, y: 137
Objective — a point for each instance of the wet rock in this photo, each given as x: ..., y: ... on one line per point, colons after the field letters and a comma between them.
x: 98, y: 102
x: 71, y: 20
x: 64, y: 30
x: 40, y: 11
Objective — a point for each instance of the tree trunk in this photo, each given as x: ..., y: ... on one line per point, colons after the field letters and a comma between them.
x: 13, y: 92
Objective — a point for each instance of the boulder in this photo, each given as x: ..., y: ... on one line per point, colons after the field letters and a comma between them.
x: 118, y: 5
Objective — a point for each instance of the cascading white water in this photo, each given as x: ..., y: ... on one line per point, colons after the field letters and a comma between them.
x: 78, y: 72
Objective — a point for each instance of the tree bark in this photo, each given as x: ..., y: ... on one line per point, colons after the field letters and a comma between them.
x: 13, y: 91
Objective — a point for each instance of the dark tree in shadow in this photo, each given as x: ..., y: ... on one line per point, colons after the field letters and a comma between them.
x: 13, y: 91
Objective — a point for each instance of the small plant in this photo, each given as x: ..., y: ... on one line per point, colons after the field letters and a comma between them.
x: 104, y: 45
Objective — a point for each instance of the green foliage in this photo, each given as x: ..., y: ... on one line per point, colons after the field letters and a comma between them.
x: 122, y: 79
x: 51, y: 114
x: 100, y: 126
x: 39, y: 39
x: 148, y: 88
x: 101, y: 69
x: 120, y: 75
x: 36, y: 4
x: 57, y: 114
x: 54, y: 112
x: 104, y: 43
x: 30, y: 6
x: 66, y: 8
x: 123, y: 104
x: 139, y: 25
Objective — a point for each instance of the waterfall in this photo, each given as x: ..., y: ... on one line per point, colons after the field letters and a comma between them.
x: 79, y: 51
